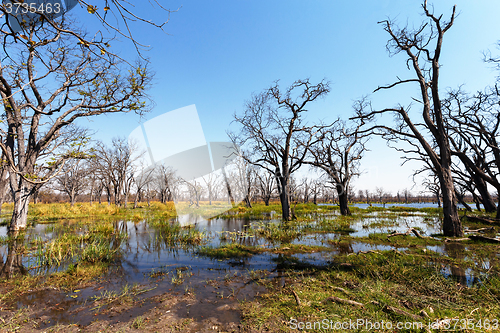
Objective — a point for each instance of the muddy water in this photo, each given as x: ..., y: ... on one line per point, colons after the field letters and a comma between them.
x: 216, y: 286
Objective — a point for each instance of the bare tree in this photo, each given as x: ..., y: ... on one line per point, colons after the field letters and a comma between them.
x: 379, y: 191
x: 338, y: 151
x: 115, y: 164
x: 195, y: 191
x: 422, y: 47
x: 211, y: 183
x: 274, y: 134
x: 431, y: 184
x: 474, y: 123
x: 73, y: 179
x: 166, y: 181
x: 266, y: 184
x: 143, y: 178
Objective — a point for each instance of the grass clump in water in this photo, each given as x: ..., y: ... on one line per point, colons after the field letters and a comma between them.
x: 229, y: 251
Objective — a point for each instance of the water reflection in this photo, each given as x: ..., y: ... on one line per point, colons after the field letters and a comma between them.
x: 11, y: 263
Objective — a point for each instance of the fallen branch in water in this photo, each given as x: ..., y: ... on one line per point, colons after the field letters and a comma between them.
x: 484, y: 239
x: 415, y: 231
x: 343, y: 301
x: 481, y: 219
x: 482, y: 229
x: 474, y: 237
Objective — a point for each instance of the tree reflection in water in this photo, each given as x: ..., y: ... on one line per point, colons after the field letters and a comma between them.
x: 13, y: 263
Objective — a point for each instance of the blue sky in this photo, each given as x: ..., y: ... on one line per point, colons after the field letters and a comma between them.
x: 217, y: 53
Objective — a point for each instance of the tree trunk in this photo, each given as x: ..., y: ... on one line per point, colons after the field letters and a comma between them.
x: 460, y: 199
x: 438, y: 198
x: 486, y: 199
x: 452, y: 227
x: 266, y: 200
x: 228, y: 187
x: 343, y: 201
x: 477, y: 201
x: 284, y: 198
x: 72, y: 197
x: 108, y: 195
x: 21, y: 204
x: 498, y: 207
x: 248, y: 203
x: 136, y: 199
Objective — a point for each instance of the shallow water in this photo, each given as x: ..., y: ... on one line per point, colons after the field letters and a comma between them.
x: 157, y: 267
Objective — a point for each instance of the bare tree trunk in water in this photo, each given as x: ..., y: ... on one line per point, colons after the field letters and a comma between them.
x: 343, y: 201
x: 284, y: 198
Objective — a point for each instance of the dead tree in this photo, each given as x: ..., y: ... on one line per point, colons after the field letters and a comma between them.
x: 73, y: 179
x: 338, y: 151
x: 274, y: 134
x: 422, y: 47
x: 474, y: 122
x: 266, y: 184
x: 431, y: 184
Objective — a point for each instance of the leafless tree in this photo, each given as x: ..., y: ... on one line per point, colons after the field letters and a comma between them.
x: 338, y: 151
x: 195, y: 190
x: 115, y: 164
x: 474, y: 123
x: 143, y: 177
x: 422, y: 47
x: 379, y: 191
x: 52, y: 74
x: 166, y: 181
x: 274, y: 133
x: 211, y: 183
x: 266, y: 185
x: 73, y: 179
x: 431, y: 184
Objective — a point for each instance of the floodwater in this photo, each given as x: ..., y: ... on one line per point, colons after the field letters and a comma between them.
x: 156, y: 267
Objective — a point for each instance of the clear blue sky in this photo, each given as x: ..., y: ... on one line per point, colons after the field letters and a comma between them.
x: 217, y: 53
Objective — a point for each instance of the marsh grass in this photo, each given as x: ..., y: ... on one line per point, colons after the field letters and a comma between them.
x: 398, y: 241
x: 172, y: 233
x: 228, y: 251
x: 78, y: 275
x: 55, y: 211
x: 232, y: 250
x: 125, y: 295
x: 101, y: 243
x: 405, y: 282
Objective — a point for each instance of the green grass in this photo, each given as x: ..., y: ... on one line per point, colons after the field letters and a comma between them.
x: 232, y: 250
x: 229, y: 251
x: 405, y: 282
x: 399, y: 241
